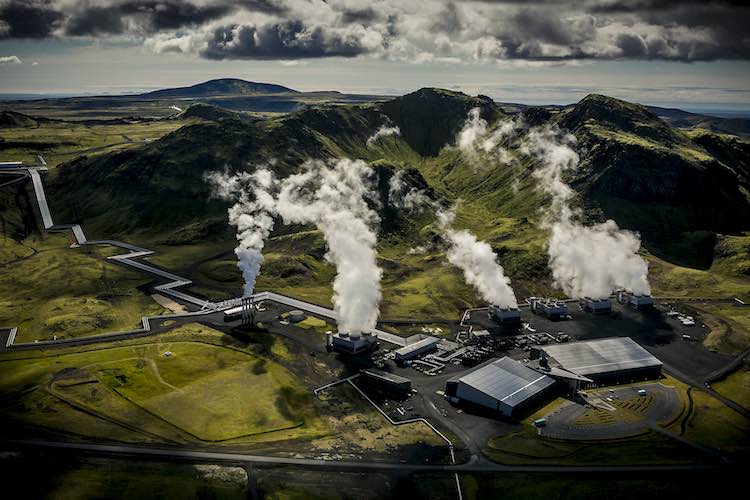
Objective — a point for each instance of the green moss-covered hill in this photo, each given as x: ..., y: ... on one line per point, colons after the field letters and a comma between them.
x: 679, y: 188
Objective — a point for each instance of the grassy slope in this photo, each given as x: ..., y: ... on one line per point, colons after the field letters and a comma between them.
x: 208, y: 390
x: 60, y: 142
x: 67, y: 292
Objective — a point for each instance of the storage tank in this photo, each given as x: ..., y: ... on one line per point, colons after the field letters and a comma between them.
x: 296, y: 316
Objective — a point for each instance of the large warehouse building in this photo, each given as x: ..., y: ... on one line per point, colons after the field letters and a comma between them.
x: 503, y: 385
x: 615, y: 360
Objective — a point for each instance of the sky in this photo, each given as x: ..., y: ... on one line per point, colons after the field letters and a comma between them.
x: 691, y: 54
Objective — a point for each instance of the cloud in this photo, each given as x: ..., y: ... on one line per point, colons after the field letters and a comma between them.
x: 431, y: 30
x: 10, y: 60
x: 29, y: 19
x: 282, y: 40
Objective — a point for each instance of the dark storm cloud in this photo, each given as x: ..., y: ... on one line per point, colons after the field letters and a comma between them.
x: 96, y: 21
x: 535, y: 30
x: 149, y: 16
x: 28, y: 19
x: 286, y: 40
x: 632, y: 46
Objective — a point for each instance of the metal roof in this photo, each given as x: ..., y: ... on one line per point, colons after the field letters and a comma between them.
x: 422, y: 344
x: 507, y: 380
x: 390, y: 377
x: 601, y: 356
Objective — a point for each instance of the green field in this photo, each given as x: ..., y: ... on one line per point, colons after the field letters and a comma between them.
x: 58, y: 291
x: 736, y: 386
x: 60, y: 142
x: 730, y: 327
x: 173, y: 388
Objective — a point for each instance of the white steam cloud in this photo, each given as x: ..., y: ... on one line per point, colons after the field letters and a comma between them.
x: 333, y: 196
x: 475, y: 258
x: 252, y: 214
x: 586, y: 261
x: 404, y: 196
x: 476, y: 136
x: 383, y: 131
x: 478, y: 263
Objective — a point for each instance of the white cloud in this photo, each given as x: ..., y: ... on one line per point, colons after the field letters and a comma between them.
x: 10, y: 60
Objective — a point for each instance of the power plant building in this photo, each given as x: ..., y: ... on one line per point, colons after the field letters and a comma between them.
x: 502, y: 385
x: 411, y: 351
x: 553, y: 309
x: 351, y: 343
x: 636, y: 300
x: 505, y: 315
x: 614, y: 360
x: 597, y: 306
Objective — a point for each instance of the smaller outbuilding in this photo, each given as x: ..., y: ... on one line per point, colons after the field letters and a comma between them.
x: 386, y: 382
x: 411, y: 351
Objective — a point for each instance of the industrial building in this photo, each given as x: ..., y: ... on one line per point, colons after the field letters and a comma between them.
x: 552, y: 308
x: 642, y: 302
x: 505, y: 315
x: 614, y: 360
x: 351, y: 343
x: 596, y: 306
x: 411, y: 351
x: 387, y: 382
x: 502, y: 385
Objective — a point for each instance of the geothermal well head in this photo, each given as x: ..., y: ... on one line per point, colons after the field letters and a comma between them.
x: 505, y: 315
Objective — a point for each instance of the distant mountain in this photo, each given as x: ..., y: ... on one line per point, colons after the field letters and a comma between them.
x: 219, y: 87
x: 208, y: 112
x: 684, y: 119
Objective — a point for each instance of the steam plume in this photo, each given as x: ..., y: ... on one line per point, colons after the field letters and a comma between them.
x: 404, y: 196
x: 476, y: 136
x: 475, y: 258
x: 478, y: 263
x: 383, y: 131
x: 333, y: 196
x: 251, y: 214
x: 586, y: 261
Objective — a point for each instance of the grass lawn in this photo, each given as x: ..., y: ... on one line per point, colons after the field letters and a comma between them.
x: 69, y: 292
x: 736, y: 386
x: 718, y: 426
x: 669, y: 280
x: 60, y: 142
x: 730, y: 327
x: 201, y: 391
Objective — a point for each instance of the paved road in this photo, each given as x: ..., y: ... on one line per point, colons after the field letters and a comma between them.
x: 224, y: 457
